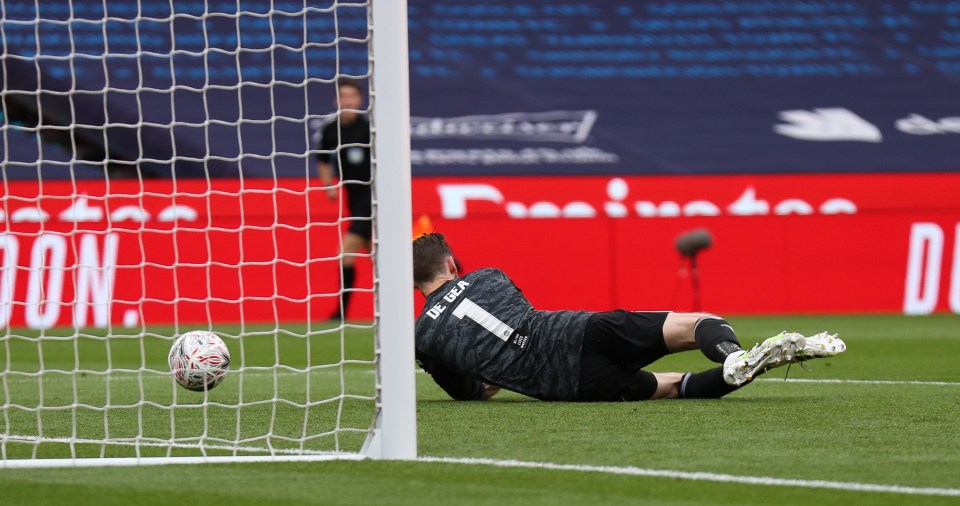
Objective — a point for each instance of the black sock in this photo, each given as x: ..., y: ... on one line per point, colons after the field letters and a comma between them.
x: 708, y: 384
x: 349, y: 276
x: 716, y: 338
x: 343, y: 303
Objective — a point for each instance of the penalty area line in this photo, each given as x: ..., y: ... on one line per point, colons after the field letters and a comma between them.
x: 703, y: 476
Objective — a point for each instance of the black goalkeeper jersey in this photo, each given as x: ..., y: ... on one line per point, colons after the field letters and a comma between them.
x: 480, y: 328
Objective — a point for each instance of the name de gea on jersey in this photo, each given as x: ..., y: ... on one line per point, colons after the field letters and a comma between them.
x: 450, y: 296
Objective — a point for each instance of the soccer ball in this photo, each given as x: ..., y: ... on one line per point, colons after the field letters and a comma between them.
x: 199, y: 360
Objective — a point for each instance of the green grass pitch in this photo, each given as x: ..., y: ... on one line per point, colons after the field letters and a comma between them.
x: 887, y: 412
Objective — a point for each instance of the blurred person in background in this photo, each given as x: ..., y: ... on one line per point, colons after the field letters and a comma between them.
x: 346, y: 140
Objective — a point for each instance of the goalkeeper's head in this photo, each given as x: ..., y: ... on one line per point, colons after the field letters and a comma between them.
x: 433, y: 262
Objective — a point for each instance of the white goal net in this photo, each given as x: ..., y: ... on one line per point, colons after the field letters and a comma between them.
x: 160, y: 175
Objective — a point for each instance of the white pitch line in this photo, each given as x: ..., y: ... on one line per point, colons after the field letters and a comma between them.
x: 32, y: 379
x: 701, y: 476
x: 865, y: 382
x: 167, y: 376
x: 627, y: 470
x: 153, y: 444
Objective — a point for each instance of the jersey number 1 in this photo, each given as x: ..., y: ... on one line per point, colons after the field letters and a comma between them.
x: 486, y: 320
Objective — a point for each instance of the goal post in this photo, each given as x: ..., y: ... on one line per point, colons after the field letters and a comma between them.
x: 159, y: 174
x: 390, y: 97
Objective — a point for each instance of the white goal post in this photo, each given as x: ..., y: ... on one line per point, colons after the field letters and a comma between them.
x: 391, y: 115
x: 159, y: 175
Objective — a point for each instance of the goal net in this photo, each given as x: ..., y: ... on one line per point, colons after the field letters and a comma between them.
x: 160, y: 175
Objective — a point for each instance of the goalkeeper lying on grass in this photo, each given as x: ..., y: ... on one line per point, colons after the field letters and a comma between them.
x: 478, y: 334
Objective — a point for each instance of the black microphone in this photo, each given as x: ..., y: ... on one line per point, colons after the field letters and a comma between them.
x: 691, y: 242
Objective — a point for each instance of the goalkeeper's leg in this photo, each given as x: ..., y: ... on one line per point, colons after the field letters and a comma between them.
x: 715, y: 338
x: 708, y: 384
x: 718, y: 342
x: 712, y: 334
x: 619, y: 344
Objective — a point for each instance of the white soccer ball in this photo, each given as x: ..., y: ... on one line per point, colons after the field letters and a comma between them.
x: 199, y: 360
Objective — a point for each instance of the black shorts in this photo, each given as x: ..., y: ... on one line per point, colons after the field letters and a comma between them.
x: 362, y: 227
x: 616, y: 346
x: 361, y: 212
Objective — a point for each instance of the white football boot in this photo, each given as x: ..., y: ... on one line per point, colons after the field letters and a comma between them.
x: 781, y: 349
x: 821, y: 345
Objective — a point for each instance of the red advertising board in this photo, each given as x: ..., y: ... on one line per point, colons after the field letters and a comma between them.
x: 130, y: 253
x: 781, y: 243
x: 161, y: 252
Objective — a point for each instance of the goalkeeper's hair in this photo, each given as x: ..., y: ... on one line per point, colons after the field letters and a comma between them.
x: 430, y: 251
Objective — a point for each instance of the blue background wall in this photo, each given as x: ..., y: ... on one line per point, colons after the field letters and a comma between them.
x: 532, y: 87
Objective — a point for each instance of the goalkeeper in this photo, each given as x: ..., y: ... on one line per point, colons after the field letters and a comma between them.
x: 478, y: 333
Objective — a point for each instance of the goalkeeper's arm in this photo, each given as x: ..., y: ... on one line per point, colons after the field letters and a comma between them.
x: 458, y: 387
